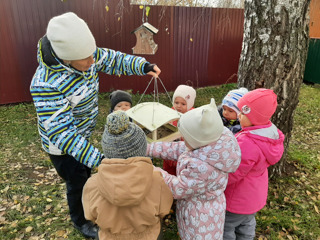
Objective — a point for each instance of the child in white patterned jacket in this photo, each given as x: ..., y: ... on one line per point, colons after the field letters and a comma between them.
x: 205, y: 157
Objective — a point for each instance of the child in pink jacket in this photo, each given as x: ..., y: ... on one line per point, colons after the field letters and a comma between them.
x: 261, y: 144
x: 205, y: 157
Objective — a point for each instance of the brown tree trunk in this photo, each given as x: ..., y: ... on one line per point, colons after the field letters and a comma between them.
x: 274, y: 52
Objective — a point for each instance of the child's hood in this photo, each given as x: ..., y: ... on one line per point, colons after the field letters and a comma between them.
x: 223, y: 154
x: 125, y: 182
x: 270, y: 141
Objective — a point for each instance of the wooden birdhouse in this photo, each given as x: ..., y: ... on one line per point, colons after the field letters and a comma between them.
x: 154, y: 118
x: 145, y: 43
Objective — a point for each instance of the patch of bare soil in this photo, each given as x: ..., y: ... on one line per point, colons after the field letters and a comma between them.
x: 289, y: 168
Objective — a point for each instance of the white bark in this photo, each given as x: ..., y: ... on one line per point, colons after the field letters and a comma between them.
x: 274, y: 52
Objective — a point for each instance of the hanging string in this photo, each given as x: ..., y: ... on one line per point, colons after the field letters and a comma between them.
x: 155, y: 91
x: 145, y: 90
x: 155, y: 94
x: 155, y: 85
x: 165, y: 89
x: 143, y: 11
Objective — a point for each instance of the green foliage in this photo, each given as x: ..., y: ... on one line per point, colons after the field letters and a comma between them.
x: 33, y: 201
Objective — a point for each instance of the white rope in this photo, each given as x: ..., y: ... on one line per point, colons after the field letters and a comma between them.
x: 143, y: 11
x: 155, y: 93
x: 165, y: 89
x: 145, y: 91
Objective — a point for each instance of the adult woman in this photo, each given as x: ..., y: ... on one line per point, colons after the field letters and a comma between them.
x: 65, y: 93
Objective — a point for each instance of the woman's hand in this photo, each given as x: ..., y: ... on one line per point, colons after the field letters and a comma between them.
x: 155, y: 72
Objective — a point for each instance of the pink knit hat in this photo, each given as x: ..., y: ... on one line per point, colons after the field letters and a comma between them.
x: 187, y: 93
x: 258, y: 105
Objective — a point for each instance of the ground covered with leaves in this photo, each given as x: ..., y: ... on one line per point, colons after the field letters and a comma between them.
x: 32, y: 196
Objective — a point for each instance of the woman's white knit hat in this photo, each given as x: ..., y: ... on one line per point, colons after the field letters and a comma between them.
x: 201, y: 126
x: 187, y: 93
x: 70, y: 37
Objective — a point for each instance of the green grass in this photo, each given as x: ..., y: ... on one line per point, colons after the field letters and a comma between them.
x: 32, y: 196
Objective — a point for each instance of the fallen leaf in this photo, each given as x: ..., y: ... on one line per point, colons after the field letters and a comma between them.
x: 316, y: 208
x: 295, y: 227
x: 60, y: 233
x: 48, y: 207
x: 147, y: 11
x: 34, y: 238
x: 5, y: 189
x: 29, y: 229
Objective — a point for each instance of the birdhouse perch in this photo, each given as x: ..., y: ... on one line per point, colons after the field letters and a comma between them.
x: 145, y: 43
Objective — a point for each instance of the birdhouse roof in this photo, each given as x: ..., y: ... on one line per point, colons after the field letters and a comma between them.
x: 152, y: 115
x: 148, y: 26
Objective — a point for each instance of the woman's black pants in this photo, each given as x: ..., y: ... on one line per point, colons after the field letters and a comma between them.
x: 75, y: 175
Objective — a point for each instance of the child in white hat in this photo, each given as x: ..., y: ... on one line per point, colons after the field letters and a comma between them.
x: 183, y: 98
x: 182, y: 101
x: 126, y: 198
x: 208, y: 153
x: 229, y: 111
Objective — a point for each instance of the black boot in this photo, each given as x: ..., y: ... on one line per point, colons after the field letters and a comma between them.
x: 89, y: 230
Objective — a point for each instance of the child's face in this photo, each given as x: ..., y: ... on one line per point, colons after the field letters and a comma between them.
x: 124, y: 106
x: 83, y: 64
x: 244, y: 121
x: 180, y: 105
x: 229, y: 113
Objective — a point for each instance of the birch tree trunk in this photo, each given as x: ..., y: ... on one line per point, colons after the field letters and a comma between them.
x: 274, y: 52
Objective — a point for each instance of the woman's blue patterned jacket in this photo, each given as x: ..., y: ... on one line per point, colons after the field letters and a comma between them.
x: 66, y: 100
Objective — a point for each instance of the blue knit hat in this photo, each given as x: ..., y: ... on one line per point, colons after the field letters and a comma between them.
x: 232, y: 98
x: 122, y: 138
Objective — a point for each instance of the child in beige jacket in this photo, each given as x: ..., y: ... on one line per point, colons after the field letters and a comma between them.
x: 126, y: 198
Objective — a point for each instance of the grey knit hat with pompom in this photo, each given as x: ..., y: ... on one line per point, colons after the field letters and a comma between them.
x: 122, y: 138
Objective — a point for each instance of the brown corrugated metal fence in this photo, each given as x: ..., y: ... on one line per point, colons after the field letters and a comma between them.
x: 196, y: 46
